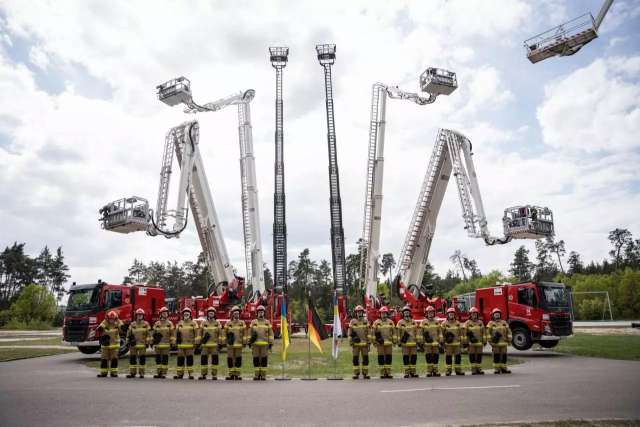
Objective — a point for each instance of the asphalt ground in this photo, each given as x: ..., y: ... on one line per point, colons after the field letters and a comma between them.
x: 62, y: 391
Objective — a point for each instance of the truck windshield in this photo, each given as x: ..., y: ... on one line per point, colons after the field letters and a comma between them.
x: 83, y: 299
x: 555, y: 296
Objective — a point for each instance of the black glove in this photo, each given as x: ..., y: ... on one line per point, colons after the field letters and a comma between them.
x: 254, y: 337
x: 231, y: 338
x: 354, y: 337
x: 178, y: 337
x: 495, y: 338
x: 472, y: 338
x: 379, y: 338
x: 427, y: 337
x: 157, y: 337
x: 449, y: 337
x: 405, y: 337
x: 105, y: 340
x: 100, y: 328
x: 206, y: 337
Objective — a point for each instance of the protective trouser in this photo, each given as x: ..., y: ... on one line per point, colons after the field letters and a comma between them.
x: 260, y: 353
x: 109, y: 360
x: 475, y: 357
x: 162, y: 359
x: 409, y: 359
x: 137, y: 359
x: 359, y: 351
x: 205, y: 366
x: 384, y: 359
x: 185, y: 354
x: 432, y: 357
x: 234, y: 361
x: 453, y: 357
x: 499, y: 357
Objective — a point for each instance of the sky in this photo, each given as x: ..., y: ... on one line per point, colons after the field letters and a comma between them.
x: 80, y: 123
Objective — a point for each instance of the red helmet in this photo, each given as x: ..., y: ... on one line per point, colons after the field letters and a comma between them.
x: 496, y: 310
x: 211, y: 309
x: 186, y: 309
x: 429, y: 308
x: 163, y: 310
x: 112, y: 315
x: 406, y: 308
x: 139, y: 311
x: 359, y: 308
x: 474, y: 310
x: 384, y: 309
x: 451, y: 310
x: 260, y: 308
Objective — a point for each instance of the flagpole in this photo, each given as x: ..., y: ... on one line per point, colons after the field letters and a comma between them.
x: 308, y: 378
x: 283, y: 377
x: 335, y: 341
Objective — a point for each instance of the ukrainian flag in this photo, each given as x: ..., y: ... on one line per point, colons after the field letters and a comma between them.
x: 284, y: 328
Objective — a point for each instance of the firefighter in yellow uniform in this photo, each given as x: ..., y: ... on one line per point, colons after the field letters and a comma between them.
x: 186, y: 339
x: 452, y: 334
x: 236, y: 337
x: 211, y: 339
x: 499, y: 335
x: 476, y: 339
x: 407, y: 332
x: 384, y: 336
x: 110, y: 328
x: 163, y: 337
x: 138, y: 337
x: 261, y: 341
x: 360, y: 341
x: 431, y: 333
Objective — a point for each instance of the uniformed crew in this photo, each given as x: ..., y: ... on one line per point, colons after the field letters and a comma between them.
x: 476, y: 338
x: 407, y: 331
x: 499, y: 335
x: 110, y: 328
x: 384, y: 336
x: 261, y: 340
x: 138, y: 337
x: 163, y: 337
x: 452, y: 333
x: 235, y: 334
x: 360, y: 341
x: 431, y: 333
x: 211, y: 340
x: 186, y: 340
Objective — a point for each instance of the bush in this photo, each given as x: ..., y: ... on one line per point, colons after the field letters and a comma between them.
x: 34, y: 325
x: 589, y: 309
x: 35, y: 303
x: 58, y: 319
x: 5, y: 317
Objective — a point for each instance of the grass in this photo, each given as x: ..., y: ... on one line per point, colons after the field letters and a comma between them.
x: 569, y: 423
x: 16, y: 325
x: 623, y: 347
x: 322, y: 365
x: 7, y: 354
x: 39, y: 341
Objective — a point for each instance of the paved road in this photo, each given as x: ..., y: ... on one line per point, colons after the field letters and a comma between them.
x: 60, y: 391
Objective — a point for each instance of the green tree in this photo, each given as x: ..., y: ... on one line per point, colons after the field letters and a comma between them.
x: 138, y: 271
x: 632, y: 254
x: 17, y: 270
x: 521, y: 267
x: 456, y: 259
x: 268, y: 277
x: 619, y: 238
x: 556, y: 248
x: 575, y: 263
x: 35, y: 303
x: 387, y: 264
x: 545, y: 267
x: 471, y: 266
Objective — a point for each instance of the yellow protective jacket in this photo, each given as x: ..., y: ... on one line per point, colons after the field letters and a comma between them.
x: 410, y: 328
x: 263, y: 332
x: 166, y: 329
x: 238, y: 330
x: 188, y: 330
x: 501, y: 328
x: 452, y: 327
x: 360, y: 329
x: 140, y: 331
x: 431, y: 332
x: 214, y: 329
x: 474, y: 331
x: 386, y: 329
x: 112, y: 330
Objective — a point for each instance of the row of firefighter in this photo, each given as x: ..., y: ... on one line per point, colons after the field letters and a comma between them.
x: 187, y: 335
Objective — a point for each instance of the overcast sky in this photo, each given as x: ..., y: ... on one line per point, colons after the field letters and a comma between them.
x: 80, y: 124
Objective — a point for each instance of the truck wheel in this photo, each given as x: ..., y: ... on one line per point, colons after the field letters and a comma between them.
x: 549, y: 343
x: 521, y: 339
x: 89, y: 349
x: 124, y: 347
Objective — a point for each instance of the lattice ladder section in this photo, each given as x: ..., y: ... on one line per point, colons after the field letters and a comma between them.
x: 424, y: 201
x: 454, y: 142
x: 247, y: 228
x: 170, y: 145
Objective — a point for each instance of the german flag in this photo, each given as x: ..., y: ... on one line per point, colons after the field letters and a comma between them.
x: 315, y: 327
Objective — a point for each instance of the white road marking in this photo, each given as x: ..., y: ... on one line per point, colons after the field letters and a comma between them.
x: 408, y: 390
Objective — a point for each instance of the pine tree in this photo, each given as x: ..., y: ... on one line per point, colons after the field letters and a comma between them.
x: 521, y: 267
x: 575, y: 263
x: 619, y: 238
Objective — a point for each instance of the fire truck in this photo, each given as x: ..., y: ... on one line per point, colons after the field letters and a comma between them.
x: 537, y: 312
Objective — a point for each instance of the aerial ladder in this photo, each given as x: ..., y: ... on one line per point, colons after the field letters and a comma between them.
x: 133, y: 213
x: 566, y: 39
x: 452, y: 156
x: 433, y: 82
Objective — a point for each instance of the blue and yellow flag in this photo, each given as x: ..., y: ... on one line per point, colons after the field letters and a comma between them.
x: 284, y: 328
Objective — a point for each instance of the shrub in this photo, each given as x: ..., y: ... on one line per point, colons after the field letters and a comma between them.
x: 35, y: 303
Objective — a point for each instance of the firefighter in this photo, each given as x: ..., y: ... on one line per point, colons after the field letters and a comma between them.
x: 407, y: 330
x: 261, y: 341
x: 235, y: 334
x: 110, y: 328
x: 476, y: 339
x: 452, y: 334
x: 186, y: 340
x: 359, y: 340
x: 499, y: 335
x: 138, y: 337
x: 431, y: 333
x: 384, y: 336
x: 211, y: 338
x: 163, y: 337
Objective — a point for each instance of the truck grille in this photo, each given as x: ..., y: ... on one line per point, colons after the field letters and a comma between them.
x: 76, y: 330
x: 561, y: 324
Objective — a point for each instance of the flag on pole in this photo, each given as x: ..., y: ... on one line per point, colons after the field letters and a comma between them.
x: 284, y: 328
x: 337, y: 326
x: 315, y: 327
